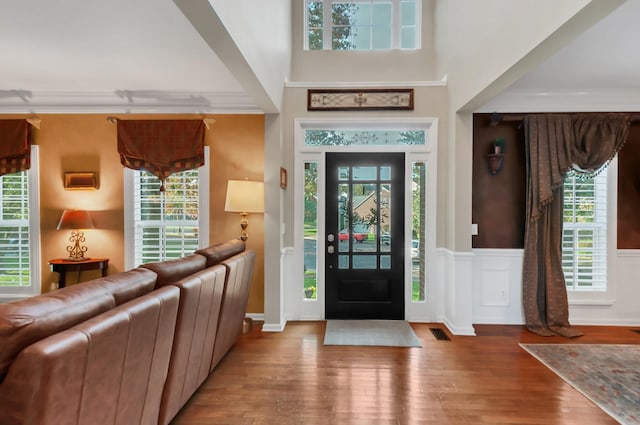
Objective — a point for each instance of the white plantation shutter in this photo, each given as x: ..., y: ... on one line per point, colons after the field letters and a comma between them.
x: 19, y: 252
x: 169, y: 224
x: 584, y: 238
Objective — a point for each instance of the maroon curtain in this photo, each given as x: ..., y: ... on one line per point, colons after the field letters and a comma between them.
x: 161, y: 147
x: 15, y: 146
x: 555, y: 144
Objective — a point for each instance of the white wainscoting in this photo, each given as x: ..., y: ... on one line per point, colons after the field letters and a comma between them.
x: 497, y: 286
x: 457, y: 292
x: 497, y: 291
x: 485, y: 287
x: 624, y: 310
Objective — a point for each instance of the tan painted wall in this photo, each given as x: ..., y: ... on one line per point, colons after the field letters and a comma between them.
x: 78, y: 142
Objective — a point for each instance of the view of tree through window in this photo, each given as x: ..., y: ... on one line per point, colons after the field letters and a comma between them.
x: 341, y: 32
x: 166, y: 223
x: 584, y: 236
x: 310, y: 229
x: 361, y: 25
x: 14, y: 230
x: 363, y: 137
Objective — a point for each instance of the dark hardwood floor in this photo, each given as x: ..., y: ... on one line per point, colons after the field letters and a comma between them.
x: 291, y: 378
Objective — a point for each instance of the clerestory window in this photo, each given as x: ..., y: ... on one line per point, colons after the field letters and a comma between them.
x: 362, y: 24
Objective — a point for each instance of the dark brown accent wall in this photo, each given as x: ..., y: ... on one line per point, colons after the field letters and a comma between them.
x: 498, y: 205
x: 499, y: 201
x: 629, y: 191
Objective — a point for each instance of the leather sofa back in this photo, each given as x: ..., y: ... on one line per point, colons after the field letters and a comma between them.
x: 108, y: 370
x: 216, y: 253
x: 170, y: 271
x: 234, y: 303
x: 24, y: 322
x: 196, y: 327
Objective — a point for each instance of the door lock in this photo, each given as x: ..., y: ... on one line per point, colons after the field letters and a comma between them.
x: 331, y: 237
x: 330, y: 249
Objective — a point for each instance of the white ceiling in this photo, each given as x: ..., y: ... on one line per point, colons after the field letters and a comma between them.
x: 144, y: 56
x: 109, y: 54
x: 598, y: 71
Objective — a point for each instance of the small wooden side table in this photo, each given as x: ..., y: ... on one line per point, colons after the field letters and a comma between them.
x: 62, y: 266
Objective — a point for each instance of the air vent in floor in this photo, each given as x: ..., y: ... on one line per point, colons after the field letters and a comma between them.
x: 440, y: 335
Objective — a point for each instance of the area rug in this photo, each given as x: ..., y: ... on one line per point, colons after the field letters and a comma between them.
x: 387, y: 333
x: 608, y: 374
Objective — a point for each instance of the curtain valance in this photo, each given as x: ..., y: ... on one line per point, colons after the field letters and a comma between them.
x: 15, y: 146
x: 161, y: 147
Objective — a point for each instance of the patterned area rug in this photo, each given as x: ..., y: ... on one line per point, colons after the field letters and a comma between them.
x: 608, y: 375
x: 388, y: 333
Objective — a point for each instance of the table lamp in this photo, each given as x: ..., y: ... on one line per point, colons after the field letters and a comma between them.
x: 245, y: 197
x: 76, y: 221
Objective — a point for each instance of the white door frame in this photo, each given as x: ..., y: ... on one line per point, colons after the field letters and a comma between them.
x: 296, y: 306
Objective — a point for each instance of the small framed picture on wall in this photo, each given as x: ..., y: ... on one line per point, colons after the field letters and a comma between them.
x: 283, y: 178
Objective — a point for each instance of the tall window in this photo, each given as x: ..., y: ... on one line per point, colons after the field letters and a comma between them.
x: 418, y: 230
x: 19, y: 232
x: 584, y: 238
x: 362, y: 24
x: 169, y: 224
x: 310, y: 229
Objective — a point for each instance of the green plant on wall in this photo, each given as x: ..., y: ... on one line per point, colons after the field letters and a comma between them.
x: 498, y: 145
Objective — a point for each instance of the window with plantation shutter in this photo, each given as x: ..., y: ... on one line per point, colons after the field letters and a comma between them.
x: 584, y: 237
x: 169, y: 224
x: 19, y: 233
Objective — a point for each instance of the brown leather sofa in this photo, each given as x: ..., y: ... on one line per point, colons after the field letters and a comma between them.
x: 129, y: 348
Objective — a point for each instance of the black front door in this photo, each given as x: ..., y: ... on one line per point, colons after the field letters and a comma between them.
x: 364, y: 222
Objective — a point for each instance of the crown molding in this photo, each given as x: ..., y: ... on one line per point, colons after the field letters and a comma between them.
x: 126, y: 101
x: 365, y: 84
x: 591, y: 100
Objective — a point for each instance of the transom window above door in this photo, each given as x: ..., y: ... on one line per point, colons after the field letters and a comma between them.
x: 362, y: 24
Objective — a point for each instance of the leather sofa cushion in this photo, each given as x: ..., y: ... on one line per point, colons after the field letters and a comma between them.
x: 216, y: 253
x: 108, y: 370
x: 234, y: 303
x: 26, y: 321
x: 128, y: 285
x: 171, y: 271
x: 196, y: 327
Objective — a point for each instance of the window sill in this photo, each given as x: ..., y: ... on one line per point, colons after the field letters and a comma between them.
x: 595, y: 302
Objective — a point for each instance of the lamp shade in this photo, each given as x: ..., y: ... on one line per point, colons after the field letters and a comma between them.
x: 244, y: 196
x: 75, y: 220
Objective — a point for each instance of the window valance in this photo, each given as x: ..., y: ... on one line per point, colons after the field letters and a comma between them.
x: 15, y: 146
x: 161, y: 147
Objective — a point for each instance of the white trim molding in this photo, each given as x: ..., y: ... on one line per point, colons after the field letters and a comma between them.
x: 126, y: 101
x: 458, y: 294
x: 365, y: 84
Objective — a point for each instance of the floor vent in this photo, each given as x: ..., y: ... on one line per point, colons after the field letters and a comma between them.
x: 440, y: 335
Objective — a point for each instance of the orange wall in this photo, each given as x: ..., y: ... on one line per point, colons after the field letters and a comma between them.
x: 79, y: 142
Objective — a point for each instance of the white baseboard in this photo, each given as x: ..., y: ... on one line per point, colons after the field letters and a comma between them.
x: 274, y: 327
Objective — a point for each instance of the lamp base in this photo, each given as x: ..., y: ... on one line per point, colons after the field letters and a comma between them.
x: 244, y: 223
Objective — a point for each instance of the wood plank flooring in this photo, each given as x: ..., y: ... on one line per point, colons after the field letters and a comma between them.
x: 292, y: 378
